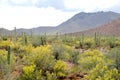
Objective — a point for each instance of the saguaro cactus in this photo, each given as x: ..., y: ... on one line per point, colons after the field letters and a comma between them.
x: 8, y: 56
x: 43, y: 40
x: 15, y: 35
x: 24, y: 38
x: 31, y: 33
x: 111, y: 41
x: 99, y: 39
x: 82, y: 41
x: 95, y: 38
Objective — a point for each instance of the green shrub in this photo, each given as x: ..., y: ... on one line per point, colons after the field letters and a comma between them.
x: 4, y: 63
x: 64, y: 52
x: 102, y: 72
x: 114, y: 55
x: 39, y: 40
x: 89, y: 59
x: 28, y: 72
x: 51, y: 76
x: 60, y: 68
x: 42, y: 57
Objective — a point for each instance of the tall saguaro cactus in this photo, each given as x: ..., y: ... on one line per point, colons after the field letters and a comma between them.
x: 8, y: 56
x: 43, y: 39
x: 15, y: 35
x: 31, y: 33
x: 111, y: 42
x: 82, y: 41
x: 97, y: 39
x: 24, y: 38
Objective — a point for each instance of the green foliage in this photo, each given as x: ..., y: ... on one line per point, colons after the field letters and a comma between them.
x: 64, y: 52
x: 36, y: 41
x: 51, y: 76
x: 42, y: 57
x: 31, y: 33
x: 102, y: 72
x: 82, y: 41
x: 24, y: 39
x: 117, y: 42
x: 15, y: 35
x: 89, y: 59
x: 112, y: 41
x: 28, y: 72
x: 59, y: 57
x: 4, y: 38
x: 9, y: 53
x: 4, y: 62
x: 58, y: 50
x: 68, y: 40
x: 97, y: 39
x: 39, y: 40
x: 88, y: 43
x: 5, y: 44
x: 60, y: 68
x: 114, y: 55
x: 43, y: 40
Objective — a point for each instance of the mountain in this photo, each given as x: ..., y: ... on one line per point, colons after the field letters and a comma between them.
x: 37, y: 31
x: 111, y: 28
x: 4, y: 32
x: 79, y: 22
x: 84, y: 21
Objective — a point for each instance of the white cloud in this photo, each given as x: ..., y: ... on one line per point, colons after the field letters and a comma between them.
x: 20, y: 1
x: 3, y: 2
x: 34, y: 1
x: 28, y: 17
x: 31, y: 16
x: 90, y: 5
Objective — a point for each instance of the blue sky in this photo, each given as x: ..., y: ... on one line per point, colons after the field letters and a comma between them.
x: 34, y: 13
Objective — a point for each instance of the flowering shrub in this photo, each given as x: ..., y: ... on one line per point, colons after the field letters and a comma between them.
x: 16, y: 47
x: 6, y: 43
x: 3, y: 62
x: 42, y: 57
x: 89, y: 42
x: 64, y: 52
x: 51, y: 76
x: 27, y: 49
x: 60, y: 68
x: 102, y: 72
x: 89, y: 59
x: 117, y: 43
x: 28, y: 72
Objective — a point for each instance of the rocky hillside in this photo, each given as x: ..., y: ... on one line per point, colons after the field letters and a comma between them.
x: 111, y: 28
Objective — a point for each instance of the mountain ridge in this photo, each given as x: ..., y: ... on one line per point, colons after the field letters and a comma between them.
x: 79, y: 22
x: 83, y: 21
x: 111, y: 28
